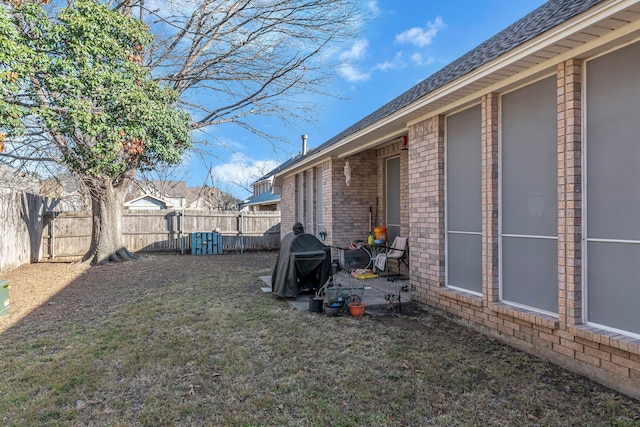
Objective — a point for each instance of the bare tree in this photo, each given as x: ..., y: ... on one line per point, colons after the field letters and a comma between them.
x: 232, y: 60
x: 227, y: 61
x: 235, y: 60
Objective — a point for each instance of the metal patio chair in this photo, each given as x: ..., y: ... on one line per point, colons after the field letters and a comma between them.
x: 398, y: 252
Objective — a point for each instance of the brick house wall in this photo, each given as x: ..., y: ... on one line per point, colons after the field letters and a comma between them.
x: 610, y: 358
x: 569, y: 83
x: 561, y: 339
x: 288, y: 206
x: 350, y: 209
x: 490, y: 208
x: 561, y: 336
x: 426, y: 200
x: 327, y: 202
x: 346, y: 208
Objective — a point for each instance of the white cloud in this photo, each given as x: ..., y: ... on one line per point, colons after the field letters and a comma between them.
x: 351, y: 74
x: 421, y: 36
x: 420, y: 60
x: 372, y: 5
x: 357, y: 52
x: 397, y: 63
x: 348, y: 68
x: 241, y: 170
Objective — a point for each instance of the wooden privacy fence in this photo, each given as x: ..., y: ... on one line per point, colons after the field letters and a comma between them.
x: 20, y: 227
x: 68, y: 234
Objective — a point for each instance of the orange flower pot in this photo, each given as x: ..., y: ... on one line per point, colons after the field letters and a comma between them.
x: 356, y: 308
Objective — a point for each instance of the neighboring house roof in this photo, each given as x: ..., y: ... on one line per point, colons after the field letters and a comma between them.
x: 544, y: 18
x: 263, y: 199
x: 180, y: 195
x: 148, y: 200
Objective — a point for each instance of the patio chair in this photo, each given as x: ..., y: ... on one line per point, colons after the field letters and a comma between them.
x: 398, y: 251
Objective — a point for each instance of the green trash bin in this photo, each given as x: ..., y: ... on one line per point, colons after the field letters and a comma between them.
x: 4, y: 298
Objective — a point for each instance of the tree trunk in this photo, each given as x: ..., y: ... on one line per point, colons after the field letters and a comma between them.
x: 107, y: 204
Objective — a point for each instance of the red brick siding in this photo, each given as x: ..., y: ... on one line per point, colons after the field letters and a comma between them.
x: 426, y: 201
x: 490, y: 208
x: 570, y: 192
x: 608, y: 357
x: 288, y: 203
x: 350, y: 209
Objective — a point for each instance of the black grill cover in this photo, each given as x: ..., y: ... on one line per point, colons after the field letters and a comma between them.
x: 303, y: 264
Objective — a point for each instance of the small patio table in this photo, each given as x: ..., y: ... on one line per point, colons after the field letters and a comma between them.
x: 372, y: 251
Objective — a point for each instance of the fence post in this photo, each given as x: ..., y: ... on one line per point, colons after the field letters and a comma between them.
x: 52, y: 233
x: 179, y: 220
x: 241, y: 231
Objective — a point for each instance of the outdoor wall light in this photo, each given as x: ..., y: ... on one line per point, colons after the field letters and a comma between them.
x: 405, y: 143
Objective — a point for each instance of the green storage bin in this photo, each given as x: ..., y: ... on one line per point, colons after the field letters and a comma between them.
x: 4, y: 298
x: 206, y: 243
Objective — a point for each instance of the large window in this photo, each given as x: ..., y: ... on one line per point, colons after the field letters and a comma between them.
x: 464, y: 207
x: 613, y: 190
x: 529, y: 194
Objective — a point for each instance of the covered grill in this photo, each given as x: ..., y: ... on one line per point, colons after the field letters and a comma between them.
x: 303, y: 264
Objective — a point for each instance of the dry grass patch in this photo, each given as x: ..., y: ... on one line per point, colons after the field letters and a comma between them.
x: 182, y: 340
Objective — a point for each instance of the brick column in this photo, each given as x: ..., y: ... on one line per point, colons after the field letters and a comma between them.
x: 426, y: 195
x: 288, y: 203
x: 404, y: 193
x: 569, y: 79
x: 490, y: 208
x: 327, y: 204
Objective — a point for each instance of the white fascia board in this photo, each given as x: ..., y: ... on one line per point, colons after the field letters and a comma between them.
x: 313, y: 160
x: 374, y: 142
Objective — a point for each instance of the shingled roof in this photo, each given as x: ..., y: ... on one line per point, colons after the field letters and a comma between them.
x: 264, y: 198
x: 280, y: 167
x: 547, y: 16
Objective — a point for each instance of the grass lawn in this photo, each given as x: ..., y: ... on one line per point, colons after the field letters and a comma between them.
x: 187, y: 341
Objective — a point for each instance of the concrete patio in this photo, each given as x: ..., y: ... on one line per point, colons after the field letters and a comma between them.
x: 374, y: 292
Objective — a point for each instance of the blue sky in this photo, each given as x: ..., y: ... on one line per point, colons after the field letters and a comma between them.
x: 404, y: 43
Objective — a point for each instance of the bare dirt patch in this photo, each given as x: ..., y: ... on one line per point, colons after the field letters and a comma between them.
x: 40, y: 286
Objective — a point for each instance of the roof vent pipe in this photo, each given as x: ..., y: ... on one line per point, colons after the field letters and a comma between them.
x: 304, y: 145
